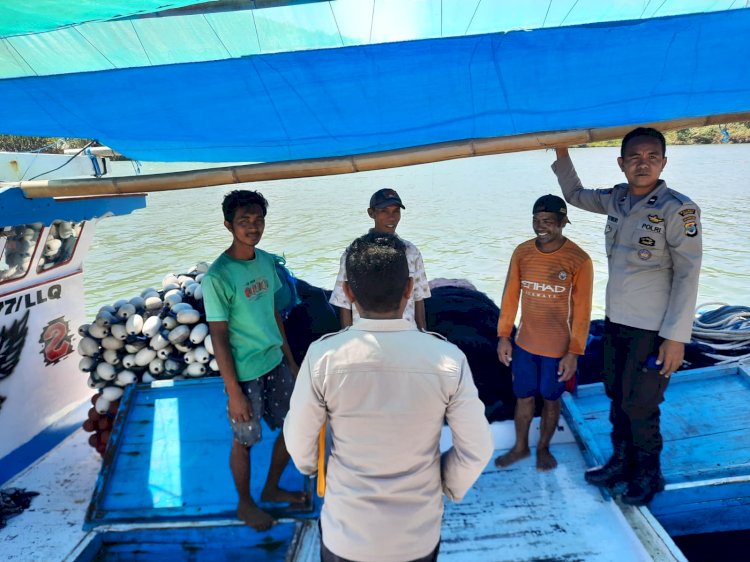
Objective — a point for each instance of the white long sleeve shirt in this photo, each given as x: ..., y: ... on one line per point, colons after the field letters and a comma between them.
x: 387, y: 389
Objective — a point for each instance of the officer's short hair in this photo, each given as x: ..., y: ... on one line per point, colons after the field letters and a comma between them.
x: 377, y: 271
x: 644, y: 132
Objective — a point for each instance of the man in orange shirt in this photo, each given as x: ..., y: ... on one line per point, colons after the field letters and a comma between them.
x: 553, y: 277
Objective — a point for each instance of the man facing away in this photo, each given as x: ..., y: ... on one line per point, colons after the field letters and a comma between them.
x: 251, y: 348
x: 553, y: 277
x: 385, y: 211
x: 386, y: 389
x: 654, y: 249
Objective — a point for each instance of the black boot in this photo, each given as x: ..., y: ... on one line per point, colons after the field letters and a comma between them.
x: 616, y: 470
x: 647, y: 480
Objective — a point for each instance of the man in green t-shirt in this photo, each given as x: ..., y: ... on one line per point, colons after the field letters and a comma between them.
x: 251, y: 348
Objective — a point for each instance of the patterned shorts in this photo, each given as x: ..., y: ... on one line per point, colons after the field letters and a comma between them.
x: 269, y: 398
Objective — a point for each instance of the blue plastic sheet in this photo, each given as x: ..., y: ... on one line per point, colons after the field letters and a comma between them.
x: 368, y: 98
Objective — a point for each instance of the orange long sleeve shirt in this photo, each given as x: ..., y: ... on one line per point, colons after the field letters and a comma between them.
x: 555, y: 293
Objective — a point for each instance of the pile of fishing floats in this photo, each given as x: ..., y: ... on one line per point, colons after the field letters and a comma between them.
x: 723, y: 333
x: 160, y: 334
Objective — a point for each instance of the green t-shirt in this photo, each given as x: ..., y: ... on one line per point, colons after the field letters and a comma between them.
x: 241, y: 293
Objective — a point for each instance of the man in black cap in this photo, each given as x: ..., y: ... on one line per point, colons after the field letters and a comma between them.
x: 553, y: 278
x: 385, y: 211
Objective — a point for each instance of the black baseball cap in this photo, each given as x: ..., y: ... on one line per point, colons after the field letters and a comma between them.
x: 551, y: 204
x: 384, y: 197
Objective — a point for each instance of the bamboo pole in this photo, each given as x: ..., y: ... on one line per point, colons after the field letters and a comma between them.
x: 315, y: 167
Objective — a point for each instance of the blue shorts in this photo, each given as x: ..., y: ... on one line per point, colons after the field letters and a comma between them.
x: 534, y: 374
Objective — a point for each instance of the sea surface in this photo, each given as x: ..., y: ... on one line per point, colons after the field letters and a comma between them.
x: 466, y: 216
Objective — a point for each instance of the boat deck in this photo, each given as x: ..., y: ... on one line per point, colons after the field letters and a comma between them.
x: 706, y: 456
x: 514, y: 514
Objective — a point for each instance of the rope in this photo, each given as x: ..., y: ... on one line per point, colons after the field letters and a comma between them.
x: 723, y: 329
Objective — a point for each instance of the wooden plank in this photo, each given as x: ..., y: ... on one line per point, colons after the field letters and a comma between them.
x: 316, y: 167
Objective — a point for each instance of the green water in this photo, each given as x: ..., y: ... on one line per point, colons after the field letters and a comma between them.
x: 466, y: 216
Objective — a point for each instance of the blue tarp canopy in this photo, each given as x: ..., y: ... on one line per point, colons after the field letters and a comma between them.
x: 365, y: 97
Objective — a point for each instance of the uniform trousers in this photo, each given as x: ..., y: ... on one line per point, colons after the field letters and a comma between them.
x: 634, y: 385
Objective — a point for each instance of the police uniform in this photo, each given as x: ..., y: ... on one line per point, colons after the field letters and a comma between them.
x: 654, y: 251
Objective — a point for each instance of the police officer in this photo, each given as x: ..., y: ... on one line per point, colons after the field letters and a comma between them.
x: 654, y: 248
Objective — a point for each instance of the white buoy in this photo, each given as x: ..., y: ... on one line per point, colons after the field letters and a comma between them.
x: 213, y: 365
x: 208, y: 343
x: 118, y: 331
x: 172, y: 367
x: 111, y: 393
x: 199, y: 277
x: 169, y: 322
x: 164, y: 352
x: 173, y: 298
x: 135, y: 346
x: 188, y: 316
x: 169, y: 279
x: 105, y: 371
x: 102, y: 404
x: 89, y: 346
x: 158, y: 342
x: 195, y: 370
x: 190, y: 287
x: 87, y: 364
x: 128, y: 360
x: 153, y: 302
x: 189, y: 356
x: 181, y: 306
x: 139, y: 303
x: 145, y: 356
x: 105, y: 318
x: 134, y: 325
x: 111, y: 356
x: 151, y: 326
x: 183, y: 347
x: 126, y: 310
x: 198, y: 294
x: 201, y: 354
x: 150, y: 292
x: 111, y: 342
x: 125, y: 377
x: 95, y: 383
x: 98, y: 331
x: 200, y: 267
x: 83, y: 329
x: 147, y: 378
x: 118, y: 303
x: 199, y: 333
x: 179, y: 334
x: 156, y: 367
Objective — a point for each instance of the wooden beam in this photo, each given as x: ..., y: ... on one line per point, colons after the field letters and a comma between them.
x: 349, y: 164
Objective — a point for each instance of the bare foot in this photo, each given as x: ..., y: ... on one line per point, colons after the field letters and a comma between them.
x: 279, y: 495
x: 254, y: 516
x: 545, y: 460
x: 514, y: 455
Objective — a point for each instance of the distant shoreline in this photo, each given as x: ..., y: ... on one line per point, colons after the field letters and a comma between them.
x: 733, y: 133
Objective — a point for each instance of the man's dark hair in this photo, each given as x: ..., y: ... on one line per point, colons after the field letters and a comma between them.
x: 377, y: 271
x: 644, y: 132
x: 239, y: 199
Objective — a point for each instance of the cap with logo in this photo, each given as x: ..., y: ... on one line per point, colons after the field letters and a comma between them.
x: 551, y: 204
x: 384, y: 197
